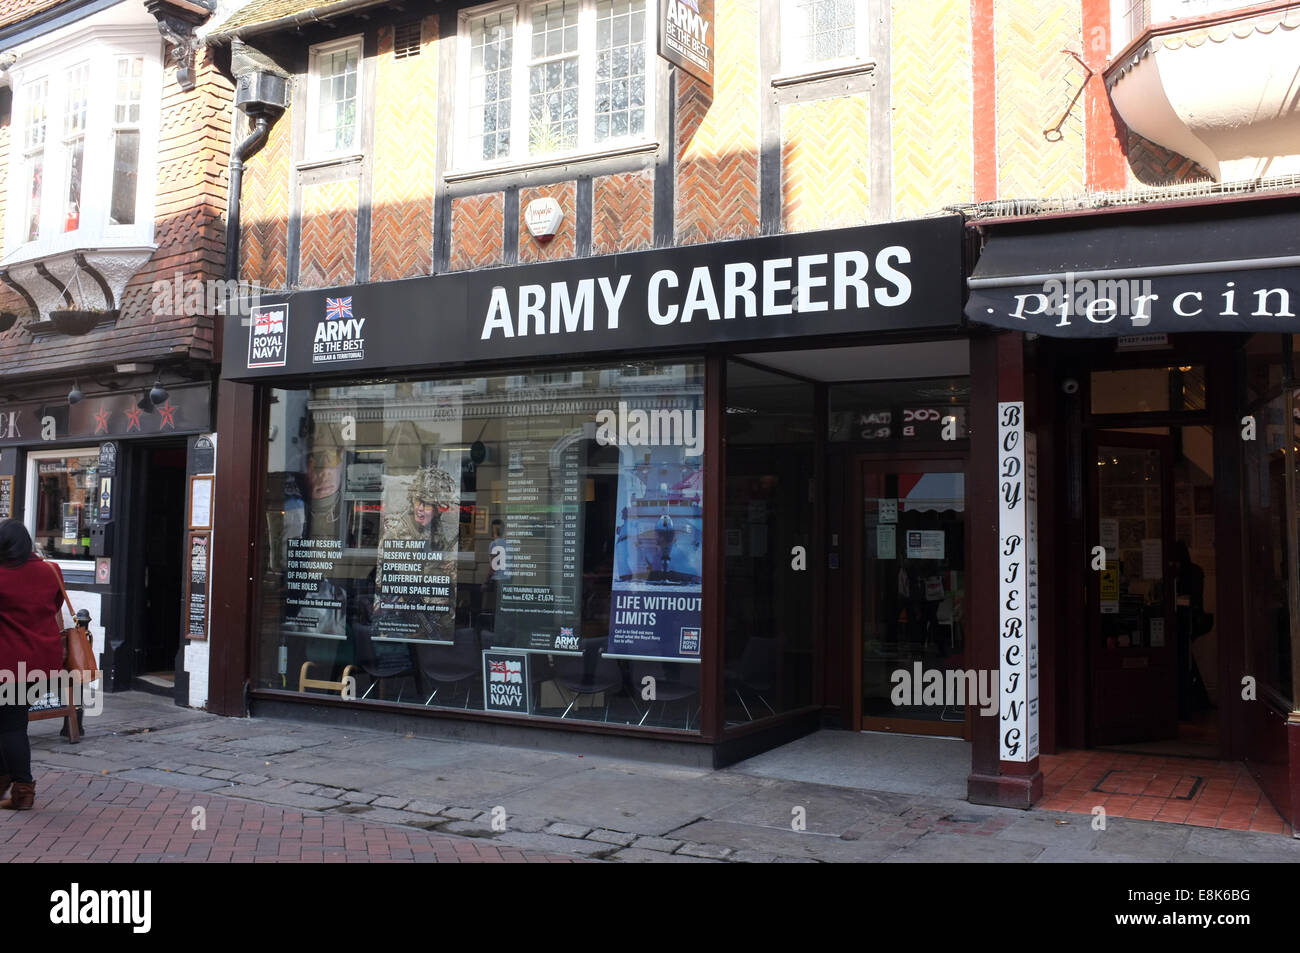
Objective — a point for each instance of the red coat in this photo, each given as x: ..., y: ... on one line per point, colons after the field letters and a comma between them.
x: 29, y: 630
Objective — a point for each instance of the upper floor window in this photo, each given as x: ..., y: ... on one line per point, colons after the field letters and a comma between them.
x: 550, y: 78
x: 126, y: 140
x: 88, y: 124
x: 334, y: 90
x: 822, y: 33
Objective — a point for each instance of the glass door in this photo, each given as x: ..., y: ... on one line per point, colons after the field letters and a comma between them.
x: 1135, y: 639
x: 910, y: 599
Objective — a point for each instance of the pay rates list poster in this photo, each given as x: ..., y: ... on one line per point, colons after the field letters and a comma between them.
x: 537, y: 558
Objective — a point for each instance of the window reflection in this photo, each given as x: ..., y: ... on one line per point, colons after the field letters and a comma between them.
x: 529, y: 544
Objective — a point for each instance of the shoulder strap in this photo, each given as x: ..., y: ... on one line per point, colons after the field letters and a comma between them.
x: 72, y: 616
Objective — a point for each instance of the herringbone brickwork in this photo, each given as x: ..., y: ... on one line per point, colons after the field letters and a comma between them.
x: 623, y: 213
x: 931, y: 93
x: 401, y: 235
x: 477, y: 230
x: 562, y: 245
x: 1036, y: 82
x: 329, y: 234
x: 718, y: 136
x: 823, y: 160
x: 1150, y: 164
x: 264, y: 211
x: 190, y: 207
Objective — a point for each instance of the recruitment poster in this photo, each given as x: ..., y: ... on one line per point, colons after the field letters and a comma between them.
x: 417, y: 561
x: 536, y: 554
x: 658, y: 539
x: 420, y: 534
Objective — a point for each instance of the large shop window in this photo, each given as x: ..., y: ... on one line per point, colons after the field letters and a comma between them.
x: 63, y: 502
x: 529, y: 544
x: 1272, y: 518
x: 771, y: 451
x: 546, y: 79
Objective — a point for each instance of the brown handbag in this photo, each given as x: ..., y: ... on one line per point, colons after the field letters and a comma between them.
x: 78, y: 653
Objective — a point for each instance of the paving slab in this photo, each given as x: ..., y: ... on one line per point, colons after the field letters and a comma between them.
x: 935, y: 848
x: 749, y: 841
x: 173, y: 779
x: 637, y: 855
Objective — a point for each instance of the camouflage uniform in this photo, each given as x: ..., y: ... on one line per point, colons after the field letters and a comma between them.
x: 436, y: 487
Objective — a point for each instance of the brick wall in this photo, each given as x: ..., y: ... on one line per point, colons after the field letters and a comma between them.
x: 622, y: 213
x: 939, y: 79
x: 931, y: 94
x: 406, y: 126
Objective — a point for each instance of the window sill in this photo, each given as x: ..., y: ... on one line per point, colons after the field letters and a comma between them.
x: 330, y: 161
x: 834, y: 71
x: 549, y: 162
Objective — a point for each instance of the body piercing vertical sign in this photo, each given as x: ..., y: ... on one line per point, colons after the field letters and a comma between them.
x: 1017, y: 648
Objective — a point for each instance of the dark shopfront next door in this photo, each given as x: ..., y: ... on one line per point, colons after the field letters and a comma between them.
x: 157, y: 581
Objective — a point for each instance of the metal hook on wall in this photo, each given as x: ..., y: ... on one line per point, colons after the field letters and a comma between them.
x: 1053, y: 133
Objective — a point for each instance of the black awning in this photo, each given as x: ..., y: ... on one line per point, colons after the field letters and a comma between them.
x: 1234, y: 267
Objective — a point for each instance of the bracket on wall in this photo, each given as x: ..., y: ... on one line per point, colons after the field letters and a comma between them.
x: 177, y: 21
x: 7, y: 319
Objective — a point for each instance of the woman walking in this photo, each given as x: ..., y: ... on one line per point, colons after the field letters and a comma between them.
x: 30, y: 641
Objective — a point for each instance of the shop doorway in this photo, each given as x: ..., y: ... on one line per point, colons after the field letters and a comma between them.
x: 910, y: 597
x: 1152, y: 651
x: 158, y: 577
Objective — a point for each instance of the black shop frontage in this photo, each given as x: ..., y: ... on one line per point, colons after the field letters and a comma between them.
x: 114, y: 484
x: 702, y: 500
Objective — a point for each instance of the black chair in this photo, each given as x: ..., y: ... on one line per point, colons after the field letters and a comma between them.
x: 448, y: 664
x: 670, y: 685
x: 592, y: 674
x: 756, y: 670
x: 380, y: 659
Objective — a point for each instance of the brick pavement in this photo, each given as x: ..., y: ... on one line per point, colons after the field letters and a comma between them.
x: 99, y: 819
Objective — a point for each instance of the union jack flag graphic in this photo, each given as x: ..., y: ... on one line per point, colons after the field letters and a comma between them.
x: 268, y: 322
x: 338, y: 309
x: 510, y: 672
x: 566, y: 631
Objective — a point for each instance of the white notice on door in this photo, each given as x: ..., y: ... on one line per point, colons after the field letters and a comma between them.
x: 886, y: 541
x: 888, y: 511
x: 925, y: 544
x: 1109, y: 537
x: 1151, y: 559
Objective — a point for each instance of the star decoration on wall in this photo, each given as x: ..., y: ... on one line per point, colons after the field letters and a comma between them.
x: 101, y: 420
x: 133, y: 419
x: 168, y: 411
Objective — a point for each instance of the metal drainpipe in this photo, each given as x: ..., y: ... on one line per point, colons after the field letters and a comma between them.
x: 245, y: 150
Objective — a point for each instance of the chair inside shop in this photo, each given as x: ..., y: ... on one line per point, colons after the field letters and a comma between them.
x: 381, y: 660
x: 670, y: 685
x: 755, y: 671
x: 450, y: 665
x: 590, y: 674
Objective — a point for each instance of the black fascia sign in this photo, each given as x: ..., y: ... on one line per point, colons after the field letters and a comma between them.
x: 891, y: 277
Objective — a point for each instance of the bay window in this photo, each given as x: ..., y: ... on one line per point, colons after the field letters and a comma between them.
x: 33, y: 162
x: 74, y: 140
x: 126, y: 139
x: 555, y: 78
x: 88, y: 119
